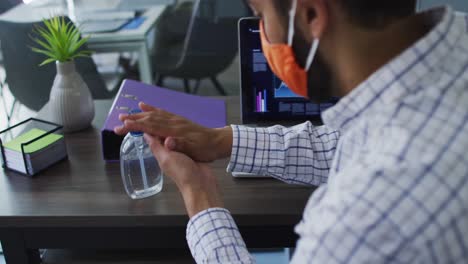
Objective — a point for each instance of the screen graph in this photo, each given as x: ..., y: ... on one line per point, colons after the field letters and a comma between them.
x: 261, y: 102
x: 283, y: 90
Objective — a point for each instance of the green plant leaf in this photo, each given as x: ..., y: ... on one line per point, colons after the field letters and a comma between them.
x: 76, y: 46
x: 45, y: 52
x: 59, y: 40
x: 43, y: 44
x: 50, y: 39
x: 47, y: 61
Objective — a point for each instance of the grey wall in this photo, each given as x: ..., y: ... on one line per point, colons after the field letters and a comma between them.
x: 460, y: 5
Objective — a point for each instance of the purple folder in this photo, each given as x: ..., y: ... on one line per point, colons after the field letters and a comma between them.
x: 205, y: 111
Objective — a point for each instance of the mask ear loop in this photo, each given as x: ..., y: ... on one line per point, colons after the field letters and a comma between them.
x: 315, y: 43
x: 292, y: 17
x: 313, y: 51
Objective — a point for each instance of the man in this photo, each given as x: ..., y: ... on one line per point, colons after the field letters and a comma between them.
x: 390, y: 159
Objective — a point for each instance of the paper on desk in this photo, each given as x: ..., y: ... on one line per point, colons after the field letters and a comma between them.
x: 84, y: 16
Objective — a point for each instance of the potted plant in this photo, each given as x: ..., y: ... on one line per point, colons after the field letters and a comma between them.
x: 70, y: 102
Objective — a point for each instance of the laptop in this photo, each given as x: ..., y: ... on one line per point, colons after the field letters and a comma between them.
x: 265, y: 99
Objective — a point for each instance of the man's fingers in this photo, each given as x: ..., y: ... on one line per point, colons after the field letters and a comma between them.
x: 156, y: 147
x: 143, y: 125
x: 131, y: 125
x: 175, y: 144
x: 120, y: 130
x: 123, y: 117
x: 170, y: 143
x: 146, y: 108
x: 152, y: 121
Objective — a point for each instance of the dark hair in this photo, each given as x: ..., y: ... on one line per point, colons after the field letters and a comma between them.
x: 366, y: 13
x: 377, y: 13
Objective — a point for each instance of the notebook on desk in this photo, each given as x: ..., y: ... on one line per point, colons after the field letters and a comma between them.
x: 140, y: 5
x: 101, y: 26
x: 98, y: 21
x: 208, y: 112
x: 38, y: 155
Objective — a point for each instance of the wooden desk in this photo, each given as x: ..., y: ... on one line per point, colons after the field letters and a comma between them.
x: 81, y: 203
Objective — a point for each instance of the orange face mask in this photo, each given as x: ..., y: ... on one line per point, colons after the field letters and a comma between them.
x: 282, y: 60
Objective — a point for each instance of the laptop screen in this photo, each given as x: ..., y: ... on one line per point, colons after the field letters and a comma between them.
x: 264, y: 97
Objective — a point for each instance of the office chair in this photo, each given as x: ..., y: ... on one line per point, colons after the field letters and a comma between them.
x: 208, y: 48
x: 6, y: 5
x: 30, y: 84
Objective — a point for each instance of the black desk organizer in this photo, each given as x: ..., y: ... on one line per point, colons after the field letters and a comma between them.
x: 16, y: 130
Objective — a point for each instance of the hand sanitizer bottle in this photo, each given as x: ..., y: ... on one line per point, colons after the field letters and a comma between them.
x: 141, y: 174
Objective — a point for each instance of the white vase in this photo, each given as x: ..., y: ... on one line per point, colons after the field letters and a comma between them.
x: 70, y: 102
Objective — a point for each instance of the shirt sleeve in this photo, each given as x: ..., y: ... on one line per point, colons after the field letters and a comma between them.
x: 301, y: 154
x: 213, y: 237
x: 352, y: 219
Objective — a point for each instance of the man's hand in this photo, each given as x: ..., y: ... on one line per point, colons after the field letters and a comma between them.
x: 179, y: 134
x: 196, y: 181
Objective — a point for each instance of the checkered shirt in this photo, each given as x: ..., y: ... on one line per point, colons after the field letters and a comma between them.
x: 391, y: 163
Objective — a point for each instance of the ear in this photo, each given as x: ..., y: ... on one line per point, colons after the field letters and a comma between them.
x: 313, y: 17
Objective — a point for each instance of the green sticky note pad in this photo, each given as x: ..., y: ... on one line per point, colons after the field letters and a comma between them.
x: 42, y: 143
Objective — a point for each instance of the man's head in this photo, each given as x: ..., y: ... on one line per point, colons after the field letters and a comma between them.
x: 376, y: 14
x: 336, y: 23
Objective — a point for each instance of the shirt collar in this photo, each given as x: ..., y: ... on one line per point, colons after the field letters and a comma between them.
x: 400, y: 75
